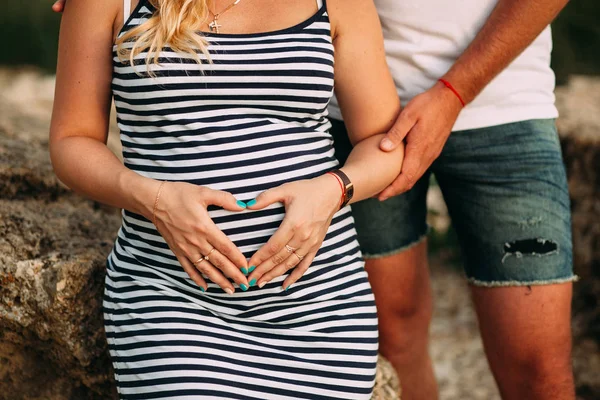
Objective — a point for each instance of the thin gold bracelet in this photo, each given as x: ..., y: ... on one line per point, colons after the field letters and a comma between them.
x: 156, y: 203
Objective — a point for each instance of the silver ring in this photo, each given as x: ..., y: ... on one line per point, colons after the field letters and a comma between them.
x: 289, y: 249
x: 299, y: 256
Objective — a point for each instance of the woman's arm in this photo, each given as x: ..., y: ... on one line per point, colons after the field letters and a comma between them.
x: 81, y: 159
x: 369, y: 103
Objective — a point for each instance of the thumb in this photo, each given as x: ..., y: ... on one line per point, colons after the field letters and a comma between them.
x: 223, y: 199
x: 58, y: 6
x: 267, y: 198
x: 398, y: 132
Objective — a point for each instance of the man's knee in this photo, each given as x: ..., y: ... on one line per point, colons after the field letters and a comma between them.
x: 402, y: 291
x: 544, y: 374
x: 404, y: 325
x: 409, y: 312
x: 548, y: 356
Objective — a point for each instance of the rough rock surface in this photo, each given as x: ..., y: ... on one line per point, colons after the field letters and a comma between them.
x: 580, y: 137
x: 53, y: 248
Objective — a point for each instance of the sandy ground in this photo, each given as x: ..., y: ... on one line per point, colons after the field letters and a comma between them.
x: 456, y: 348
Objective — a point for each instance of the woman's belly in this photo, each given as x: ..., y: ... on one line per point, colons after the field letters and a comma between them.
x: 244, y: 166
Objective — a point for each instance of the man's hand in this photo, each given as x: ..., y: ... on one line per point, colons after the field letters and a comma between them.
x: 59, y: 6
x: 425, y: 123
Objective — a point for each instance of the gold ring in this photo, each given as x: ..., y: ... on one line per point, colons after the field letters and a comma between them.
x: 209, y: 253
x: 299, y: 256
x: 198, y: 261
x: 289, y: 249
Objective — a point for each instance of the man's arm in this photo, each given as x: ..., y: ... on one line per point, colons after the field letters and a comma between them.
x: 427, y: 119
x: 511, y: 27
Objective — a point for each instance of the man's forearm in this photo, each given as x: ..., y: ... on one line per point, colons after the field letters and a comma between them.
x: 511, y: 27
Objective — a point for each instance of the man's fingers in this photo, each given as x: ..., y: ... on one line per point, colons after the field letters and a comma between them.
x: 411, y: 172
x: 395, y: 188
x: 398, y: 132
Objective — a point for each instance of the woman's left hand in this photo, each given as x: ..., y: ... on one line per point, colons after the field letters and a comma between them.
x: 309, y: 208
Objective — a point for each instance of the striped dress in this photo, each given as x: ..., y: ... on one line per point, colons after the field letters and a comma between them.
x: 252, y: 120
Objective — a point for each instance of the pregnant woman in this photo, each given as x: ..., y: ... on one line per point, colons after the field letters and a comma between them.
x: 236, y: 273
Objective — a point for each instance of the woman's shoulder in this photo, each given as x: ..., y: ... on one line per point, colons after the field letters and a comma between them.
x: 343, y: 14
x: 95, y: 15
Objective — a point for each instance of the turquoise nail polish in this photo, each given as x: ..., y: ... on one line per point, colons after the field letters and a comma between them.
x: 251, y: 202
x: 241, y: 203
x: 202, y: 289
x: 287, y: 287
x: 252, y: 282
x: 244, y: 270
x: 252, y: 268
x: 243, y: 287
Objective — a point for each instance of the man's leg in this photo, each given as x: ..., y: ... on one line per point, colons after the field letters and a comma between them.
x: 404, y: 305
x: 527, y: 339
x: 506, y: 191
x: 392, y: 239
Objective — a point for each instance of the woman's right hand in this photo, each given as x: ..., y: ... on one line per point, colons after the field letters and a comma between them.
x: 183, y: 221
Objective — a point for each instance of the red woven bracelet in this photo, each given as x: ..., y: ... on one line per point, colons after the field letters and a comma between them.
x: 341, y: 186
x: 449, y: 86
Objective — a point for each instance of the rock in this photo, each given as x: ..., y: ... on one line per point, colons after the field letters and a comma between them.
x: 579, y: 126
x: 387, y: 385
x: 52, y: 250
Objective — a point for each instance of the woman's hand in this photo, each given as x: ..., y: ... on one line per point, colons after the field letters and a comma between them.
x: 183, y: 221
x: 309, y: 208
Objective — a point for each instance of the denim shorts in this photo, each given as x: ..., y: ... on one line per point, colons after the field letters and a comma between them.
x: 506, y: 191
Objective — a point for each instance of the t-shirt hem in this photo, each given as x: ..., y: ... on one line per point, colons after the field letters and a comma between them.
x: 484, y: 117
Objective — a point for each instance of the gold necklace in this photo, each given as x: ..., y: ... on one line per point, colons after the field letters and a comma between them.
x: 214, y: 25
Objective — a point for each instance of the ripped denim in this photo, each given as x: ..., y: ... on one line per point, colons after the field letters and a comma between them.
x: 506, y: 191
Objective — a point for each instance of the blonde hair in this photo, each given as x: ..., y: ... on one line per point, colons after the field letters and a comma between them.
x: 176, y: 23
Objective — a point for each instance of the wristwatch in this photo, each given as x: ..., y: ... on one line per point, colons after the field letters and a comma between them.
x: 347, y: 185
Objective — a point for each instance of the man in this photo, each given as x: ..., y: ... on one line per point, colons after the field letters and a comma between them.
x: 503, y: 180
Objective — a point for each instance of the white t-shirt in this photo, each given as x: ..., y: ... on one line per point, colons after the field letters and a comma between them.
x: 423, y: 38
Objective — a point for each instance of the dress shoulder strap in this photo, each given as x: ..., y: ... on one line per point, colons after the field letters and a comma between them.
x: 126, y: 10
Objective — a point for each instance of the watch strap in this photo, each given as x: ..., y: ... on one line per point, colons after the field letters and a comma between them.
x: 348, y: 186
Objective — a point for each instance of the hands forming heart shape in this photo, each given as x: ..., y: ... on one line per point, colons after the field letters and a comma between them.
x: 202, y: 248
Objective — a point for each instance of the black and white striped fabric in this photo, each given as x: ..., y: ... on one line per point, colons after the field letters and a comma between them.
x: 253, y: 119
